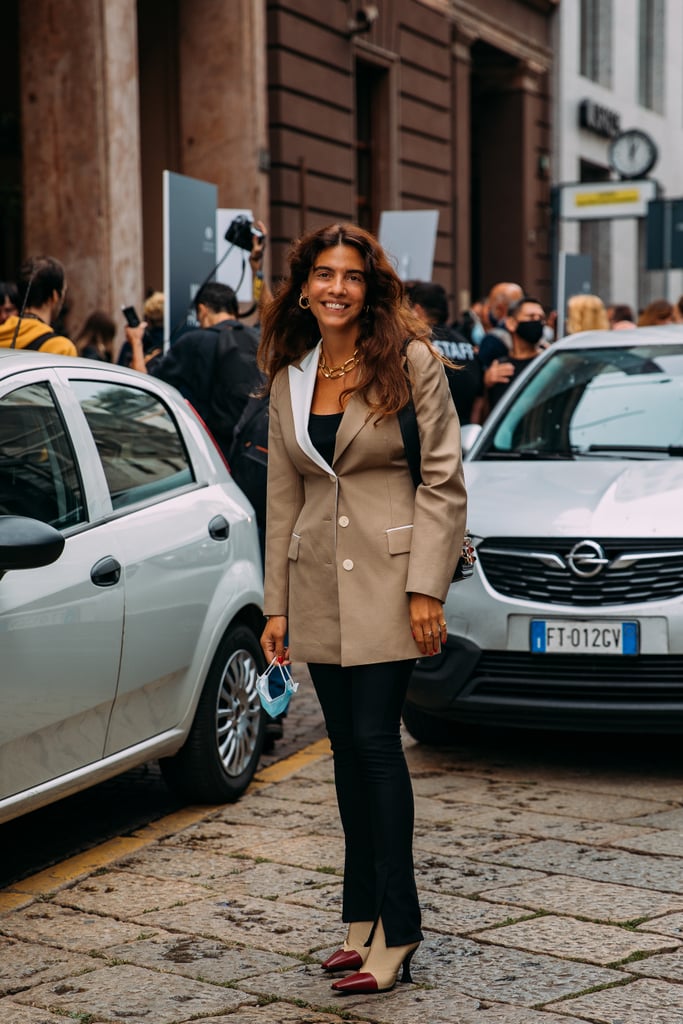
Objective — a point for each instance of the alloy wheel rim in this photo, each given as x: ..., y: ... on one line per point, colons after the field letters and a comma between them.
x: 238, y: 713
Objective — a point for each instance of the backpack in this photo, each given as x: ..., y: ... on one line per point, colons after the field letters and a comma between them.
x: 248, y: 454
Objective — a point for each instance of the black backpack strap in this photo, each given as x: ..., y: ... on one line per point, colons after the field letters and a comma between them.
x: 407, y: 421
x: 37, y: 342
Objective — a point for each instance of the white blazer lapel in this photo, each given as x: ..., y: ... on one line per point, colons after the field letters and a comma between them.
x: 301, y: 387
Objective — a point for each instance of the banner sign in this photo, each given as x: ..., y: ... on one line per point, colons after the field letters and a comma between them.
x: 189, y: 247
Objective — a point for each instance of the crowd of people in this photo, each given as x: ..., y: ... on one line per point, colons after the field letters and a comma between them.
x: 484, y: 347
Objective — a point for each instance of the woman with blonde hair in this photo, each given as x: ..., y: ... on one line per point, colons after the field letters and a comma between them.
x: 586, y: 313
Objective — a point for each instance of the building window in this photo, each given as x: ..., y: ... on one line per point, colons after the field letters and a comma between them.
x: 373, y: 145
x: 651, y: 55
x: 596, y: 41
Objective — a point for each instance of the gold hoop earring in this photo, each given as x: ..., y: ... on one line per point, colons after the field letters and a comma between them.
x: 304, y: 301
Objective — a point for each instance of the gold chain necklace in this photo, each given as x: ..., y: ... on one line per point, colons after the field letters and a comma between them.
x: 334, y: 372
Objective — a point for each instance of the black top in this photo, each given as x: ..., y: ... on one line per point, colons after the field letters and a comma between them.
x: 215, y: 369
x: 467, y: 382
x: 322, y: 431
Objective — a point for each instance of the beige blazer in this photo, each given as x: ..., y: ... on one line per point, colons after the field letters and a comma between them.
x: 347, y: 544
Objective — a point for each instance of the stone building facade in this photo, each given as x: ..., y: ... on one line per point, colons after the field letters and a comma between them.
x: 304, y: 112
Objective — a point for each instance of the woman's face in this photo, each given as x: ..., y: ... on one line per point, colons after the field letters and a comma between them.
x: 7, y: 309
x: 336, y: 287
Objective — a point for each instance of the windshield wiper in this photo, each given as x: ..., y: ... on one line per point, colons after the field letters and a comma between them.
x: 525, y: 453
x: 674, y: 450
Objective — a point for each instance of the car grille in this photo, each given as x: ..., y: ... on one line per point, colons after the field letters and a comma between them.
x: 556, y: 678
x: 516, y: 568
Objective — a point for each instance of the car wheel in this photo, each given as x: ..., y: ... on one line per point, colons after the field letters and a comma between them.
x: 429, y: 729
x: 221, y: 753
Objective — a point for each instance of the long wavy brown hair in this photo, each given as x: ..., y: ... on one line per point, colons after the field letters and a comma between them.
x: 387, y: 322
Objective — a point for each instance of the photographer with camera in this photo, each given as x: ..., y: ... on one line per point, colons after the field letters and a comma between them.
x: 214, y: 365
x: 260, y: 290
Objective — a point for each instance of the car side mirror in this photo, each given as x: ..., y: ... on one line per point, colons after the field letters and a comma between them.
x: 468, y: 435
x: 27, y: 543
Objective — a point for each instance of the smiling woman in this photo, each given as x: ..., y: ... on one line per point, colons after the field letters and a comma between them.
x: 356, y: 572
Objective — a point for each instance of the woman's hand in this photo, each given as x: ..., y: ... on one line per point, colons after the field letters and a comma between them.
x: 134, y: 335
x: 273, y: 639
x: 427, y: 623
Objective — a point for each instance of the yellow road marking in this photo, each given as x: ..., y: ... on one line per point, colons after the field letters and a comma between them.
x: 22, y: 893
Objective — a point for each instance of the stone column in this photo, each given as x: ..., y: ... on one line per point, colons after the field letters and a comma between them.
x: 223, y: 99
x: 80, y: 148
x: 462, y: 168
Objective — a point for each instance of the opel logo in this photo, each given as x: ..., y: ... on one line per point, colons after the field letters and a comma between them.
x: 586, y: 559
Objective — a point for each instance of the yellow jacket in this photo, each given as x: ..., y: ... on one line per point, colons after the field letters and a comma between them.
x: 30, y: 329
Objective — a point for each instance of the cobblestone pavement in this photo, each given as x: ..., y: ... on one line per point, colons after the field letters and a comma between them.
x: 551, y: 879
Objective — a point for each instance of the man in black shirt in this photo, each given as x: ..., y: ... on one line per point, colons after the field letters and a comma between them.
x: 525, y: 322
x: 214, y: 365
x: 429, y: 300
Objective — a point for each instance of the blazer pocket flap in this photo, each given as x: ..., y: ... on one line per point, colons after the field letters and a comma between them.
x: 399, y: 539
x: 293, y: 552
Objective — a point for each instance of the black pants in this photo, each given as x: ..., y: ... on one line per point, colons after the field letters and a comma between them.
x: 362, y: 708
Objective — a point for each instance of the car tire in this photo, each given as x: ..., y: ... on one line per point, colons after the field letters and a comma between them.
x: 429, y: 729
x: 220, y: 756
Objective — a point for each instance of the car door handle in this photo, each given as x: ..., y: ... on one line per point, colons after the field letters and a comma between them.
x: 219, y: 528
x: 106, y: 572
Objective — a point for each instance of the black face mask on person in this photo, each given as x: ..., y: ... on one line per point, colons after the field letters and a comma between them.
x: 530, y: 331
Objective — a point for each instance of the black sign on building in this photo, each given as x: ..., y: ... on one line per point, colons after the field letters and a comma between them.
x: 601, y: 120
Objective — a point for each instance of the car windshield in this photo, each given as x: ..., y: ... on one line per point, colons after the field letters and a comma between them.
x: 596, y: 403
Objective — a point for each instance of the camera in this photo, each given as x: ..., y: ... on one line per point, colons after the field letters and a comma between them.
x: 241, y: 232
x: 364, y: 19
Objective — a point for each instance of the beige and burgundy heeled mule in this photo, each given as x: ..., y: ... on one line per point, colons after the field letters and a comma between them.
x: 381, y: 968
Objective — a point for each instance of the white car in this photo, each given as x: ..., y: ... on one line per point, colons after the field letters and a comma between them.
x: 130, y: 588
x: 573, y: 618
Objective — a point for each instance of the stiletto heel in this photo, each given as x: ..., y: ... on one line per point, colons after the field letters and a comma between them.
x: 406, y: 976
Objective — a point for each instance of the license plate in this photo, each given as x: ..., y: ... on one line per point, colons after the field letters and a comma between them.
x: 589, y: 636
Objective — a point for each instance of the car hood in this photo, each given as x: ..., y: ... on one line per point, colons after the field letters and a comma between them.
x: 606, y: 498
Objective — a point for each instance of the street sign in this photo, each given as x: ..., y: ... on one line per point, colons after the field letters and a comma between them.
x: 665, y: 234
x: 605, y: 200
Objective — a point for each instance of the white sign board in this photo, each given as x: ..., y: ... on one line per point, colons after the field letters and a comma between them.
x: 409, y: 238
x: 234, y: 270
x: 604, y: 200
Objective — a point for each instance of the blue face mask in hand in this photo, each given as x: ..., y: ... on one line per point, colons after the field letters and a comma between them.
x: 275, y: 687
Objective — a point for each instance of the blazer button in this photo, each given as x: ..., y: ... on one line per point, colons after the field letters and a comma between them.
x: 347, y: 564
x: 344, y: 520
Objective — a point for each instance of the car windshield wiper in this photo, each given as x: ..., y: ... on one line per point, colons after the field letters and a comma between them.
x: 674, y: 450
x: 525, y: 453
